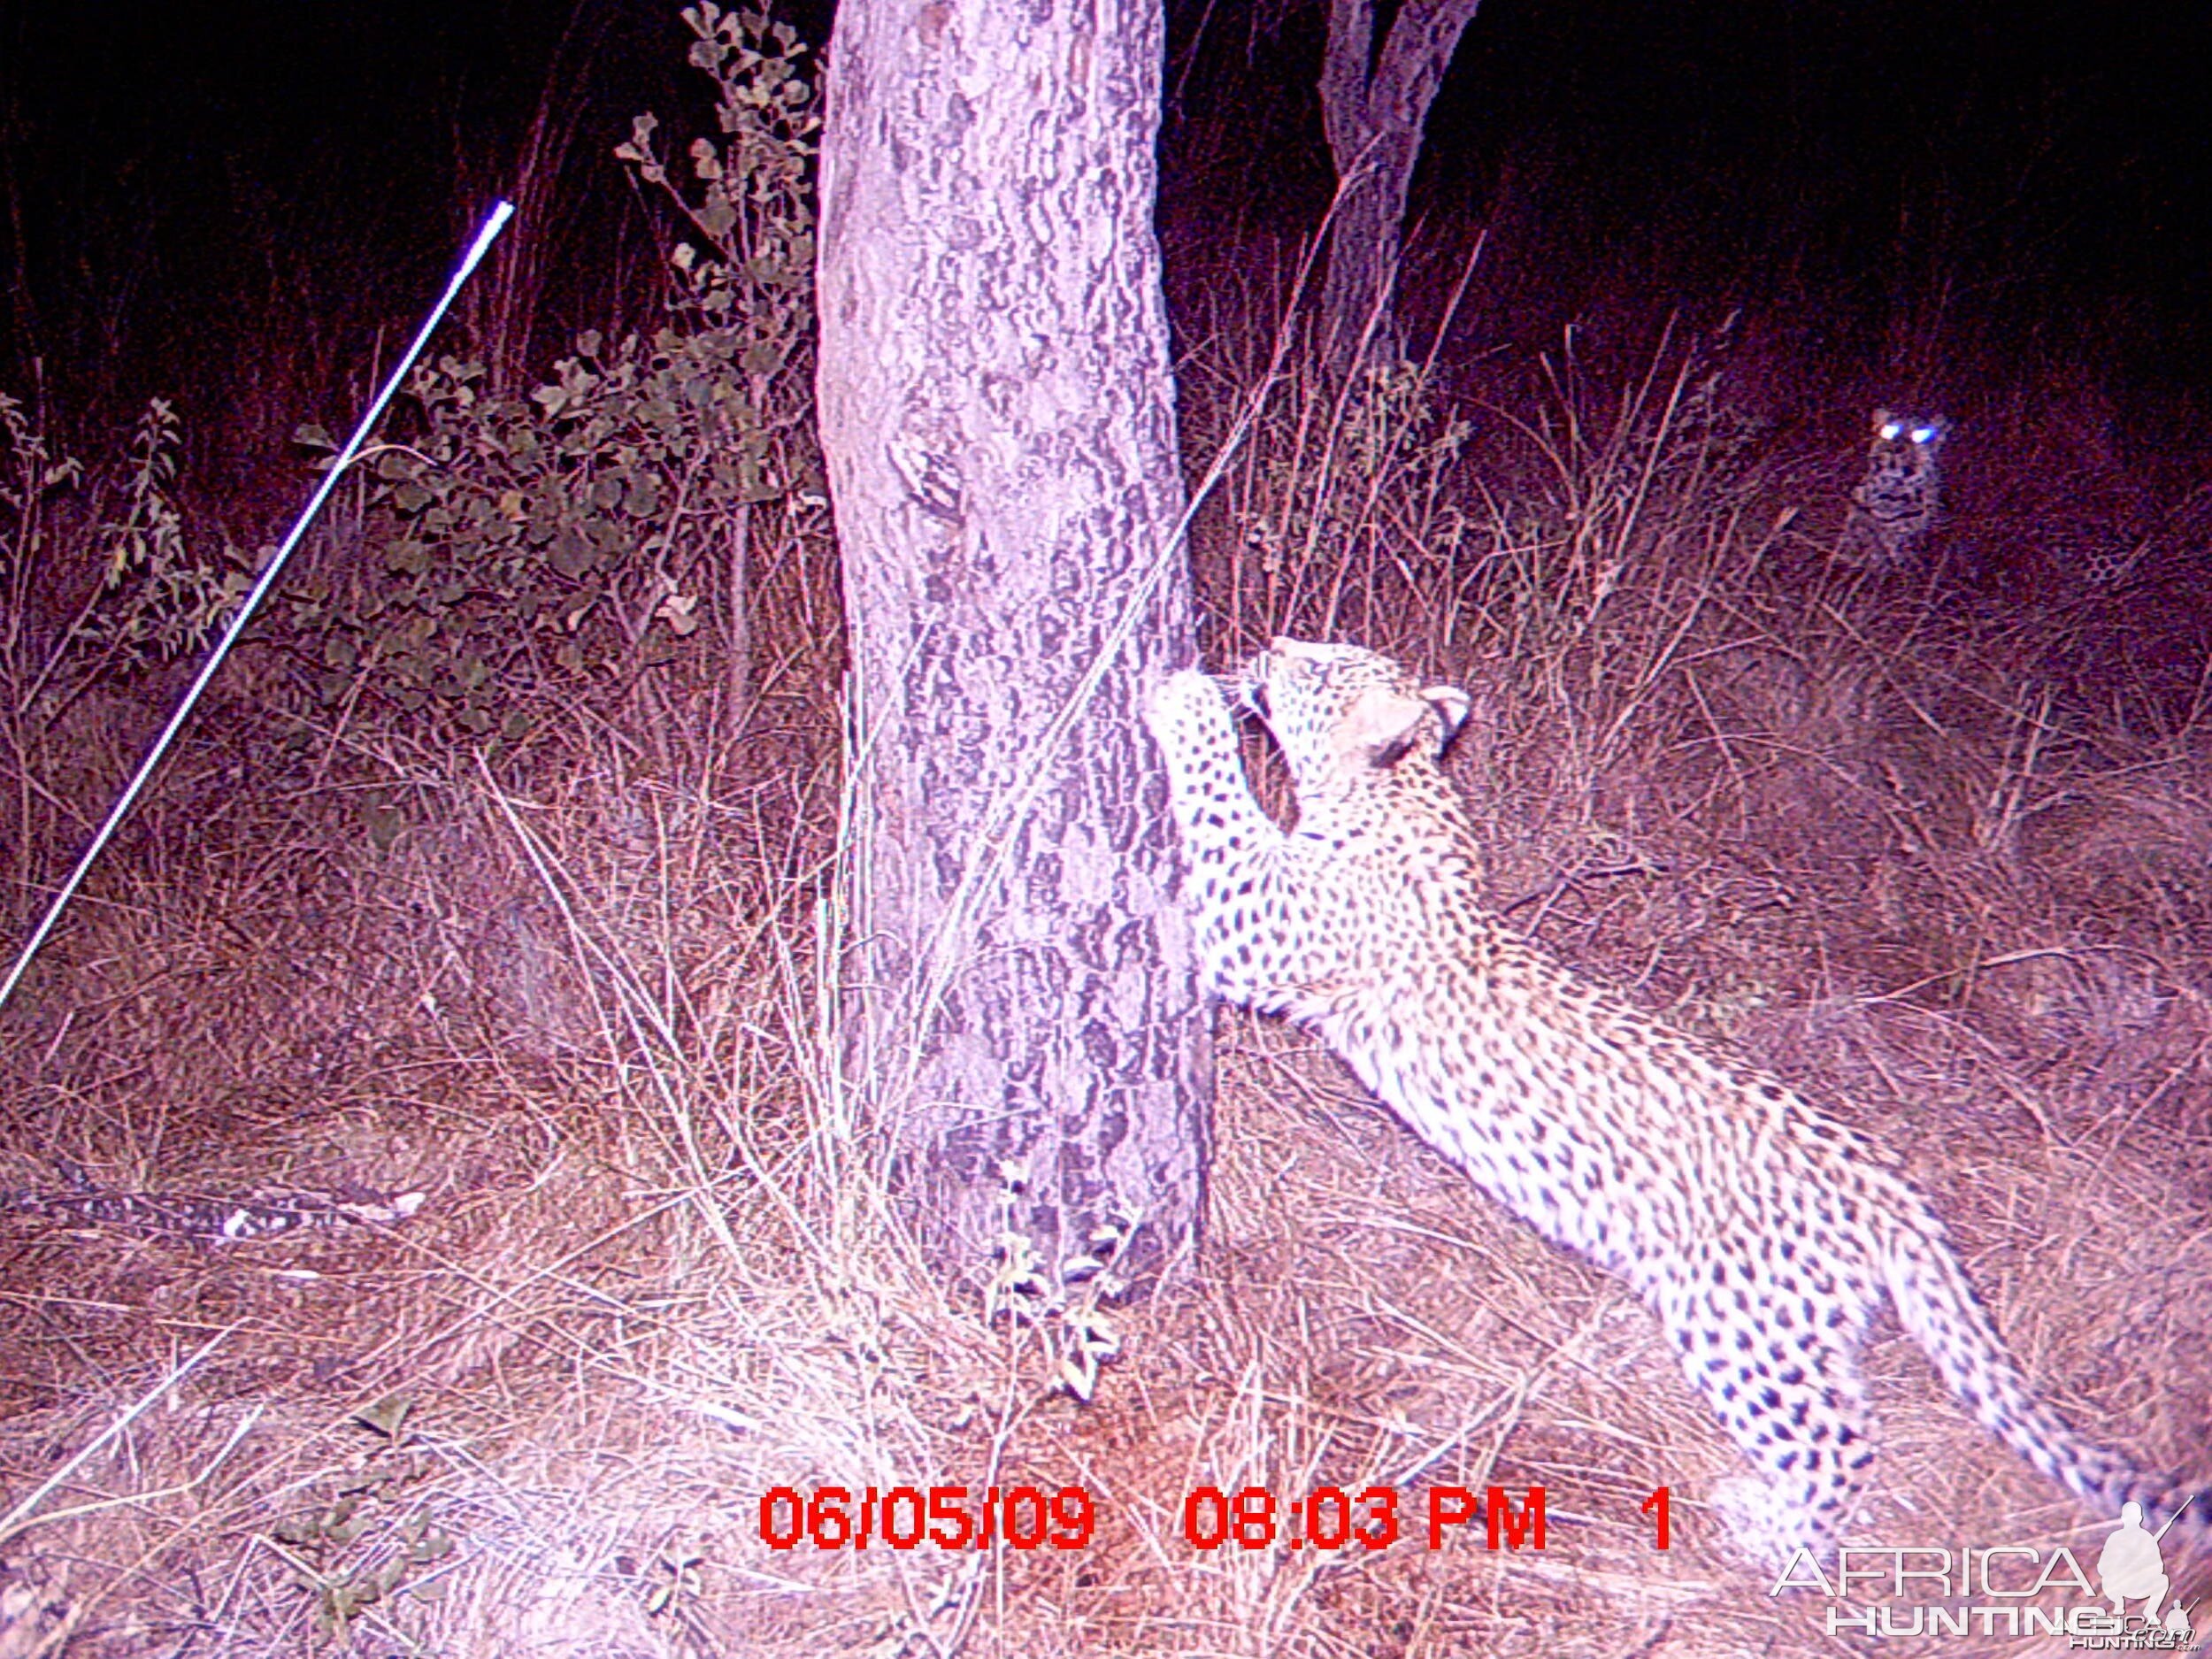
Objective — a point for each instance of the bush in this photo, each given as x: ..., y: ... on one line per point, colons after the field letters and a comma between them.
x: 531, y: 550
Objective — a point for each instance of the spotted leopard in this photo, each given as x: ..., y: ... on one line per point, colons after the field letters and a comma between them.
x: 1763, y: 1233
x: 1898, y: 499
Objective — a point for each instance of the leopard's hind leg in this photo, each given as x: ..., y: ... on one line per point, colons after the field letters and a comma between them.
x: 1769, y: 1335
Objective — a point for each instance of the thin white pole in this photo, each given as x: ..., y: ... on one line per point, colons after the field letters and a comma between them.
x: 344, y: 458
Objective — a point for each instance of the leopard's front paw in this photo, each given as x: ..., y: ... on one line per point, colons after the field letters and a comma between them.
x: 1185, y: 700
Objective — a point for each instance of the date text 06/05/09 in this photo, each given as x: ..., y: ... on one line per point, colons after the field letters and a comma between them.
x: 945, y: 1517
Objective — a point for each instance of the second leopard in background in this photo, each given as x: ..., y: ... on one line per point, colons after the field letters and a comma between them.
x: 1900, y: 499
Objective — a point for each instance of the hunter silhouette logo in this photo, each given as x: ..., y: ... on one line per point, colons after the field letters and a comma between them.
x: 2130, y: 1566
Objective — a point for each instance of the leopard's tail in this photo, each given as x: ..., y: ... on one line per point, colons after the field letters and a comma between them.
x: 1937, y: 1304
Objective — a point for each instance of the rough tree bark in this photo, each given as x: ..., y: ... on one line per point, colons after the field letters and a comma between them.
x: 1373, y: 108
x: 998, y: 420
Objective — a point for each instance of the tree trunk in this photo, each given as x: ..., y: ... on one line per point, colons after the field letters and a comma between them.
x: 1373, y: 110
x: 998, y: 421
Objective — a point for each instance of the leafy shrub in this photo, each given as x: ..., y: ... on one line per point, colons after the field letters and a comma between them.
x: 156, y: 598
x: 529, y: 551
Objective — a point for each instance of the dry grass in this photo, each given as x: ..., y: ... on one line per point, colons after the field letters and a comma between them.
x: 1918, y: 846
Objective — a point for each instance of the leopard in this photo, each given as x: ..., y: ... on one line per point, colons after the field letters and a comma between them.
x: 1764, y: 1233
x: 1900, y: 499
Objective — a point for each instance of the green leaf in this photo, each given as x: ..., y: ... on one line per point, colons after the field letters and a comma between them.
x: 383, y: 823
x: 385, y: 1416
x: 300, y: 1531
x: 571, y: 553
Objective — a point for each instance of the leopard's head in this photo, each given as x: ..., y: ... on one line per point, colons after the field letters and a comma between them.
x: 1343, y: 715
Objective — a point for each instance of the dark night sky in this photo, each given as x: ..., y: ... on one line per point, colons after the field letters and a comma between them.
x: 181, y: 176
x: 2085, y: 126
x: 2046, y: 165
x: 273, y: 187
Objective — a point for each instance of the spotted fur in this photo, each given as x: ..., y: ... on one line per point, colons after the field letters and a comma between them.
x: 1899, y: 500
x: 1763, y: 1233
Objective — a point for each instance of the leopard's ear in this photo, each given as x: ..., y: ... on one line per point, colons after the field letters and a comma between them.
x: 1452, y: 706
x: 1389, y: 725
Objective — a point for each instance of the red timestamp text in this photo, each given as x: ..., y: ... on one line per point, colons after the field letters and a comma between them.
x: 1328, y: 1517
x: 1337, y: 1518
x: 943, y: 1517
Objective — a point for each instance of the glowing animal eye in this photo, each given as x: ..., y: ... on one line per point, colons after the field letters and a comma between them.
x: 1890, y: 431
x: 1921, y: 435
